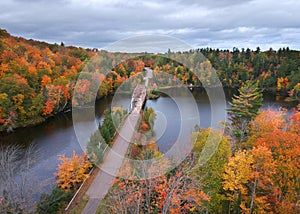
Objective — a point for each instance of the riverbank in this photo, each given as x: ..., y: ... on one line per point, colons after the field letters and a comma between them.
x: 5, y: 131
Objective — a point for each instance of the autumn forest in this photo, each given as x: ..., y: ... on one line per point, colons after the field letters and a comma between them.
x: 255, y: 168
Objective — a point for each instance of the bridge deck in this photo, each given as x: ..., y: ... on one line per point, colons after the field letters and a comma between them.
x: 138, y: 98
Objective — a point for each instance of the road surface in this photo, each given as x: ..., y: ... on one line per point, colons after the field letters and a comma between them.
x: 114, y: 159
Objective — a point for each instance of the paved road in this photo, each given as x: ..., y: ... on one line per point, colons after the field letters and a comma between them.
x: 148, y: 76
x: 114, y: 159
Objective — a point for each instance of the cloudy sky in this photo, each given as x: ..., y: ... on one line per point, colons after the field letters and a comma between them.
x: 199, y: 23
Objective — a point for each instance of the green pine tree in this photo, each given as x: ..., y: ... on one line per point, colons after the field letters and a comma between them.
x: 95, y: 148
x: 244, y: 108
x: 108, y: 123
x: 106, y: 134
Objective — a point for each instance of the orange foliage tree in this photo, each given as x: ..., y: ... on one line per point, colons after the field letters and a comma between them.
x: 144, y: 126
x: 72, y: 171
x: 269, y: 185
x: 176, y: 192
x: 45, y: 80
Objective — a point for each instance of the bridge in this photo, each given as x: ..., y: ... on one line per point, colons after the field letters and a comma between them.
x: 138, y: 99
x: 114, y: 159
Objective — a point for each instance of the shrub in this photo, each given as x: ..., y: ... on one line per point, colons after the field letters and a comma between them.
x: 51, y: 203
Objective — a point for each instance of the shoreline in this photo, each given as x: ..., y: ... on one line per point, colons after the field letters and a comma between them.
x: 5, y: 132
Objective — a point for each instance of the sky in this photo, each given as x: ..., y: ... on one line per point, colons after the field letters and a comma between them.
x: 220, y: 24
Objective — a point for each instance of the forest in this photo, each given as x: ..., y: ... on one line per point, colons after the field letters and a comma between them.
x: 37, y: 79
x: 255, y: 168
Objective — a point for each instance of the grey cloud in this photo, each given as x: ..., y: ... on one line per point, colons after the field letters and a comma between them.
x: 215, y: 4
x: 200, y: 23
x: 148, y: 43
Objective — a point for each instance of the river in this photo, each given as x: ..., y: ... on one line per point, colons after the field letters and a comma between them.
x: 57, y: 136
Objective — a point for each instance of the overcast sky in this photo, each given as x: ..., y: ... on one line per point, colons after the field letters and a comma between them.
x: 199, y: 23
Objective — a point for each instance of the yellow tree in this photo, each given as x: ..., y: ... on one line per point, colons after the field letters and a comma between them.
x: 238, y: 172
x: 209, y: 175
x: 18, y: 104
x: 72, y: 171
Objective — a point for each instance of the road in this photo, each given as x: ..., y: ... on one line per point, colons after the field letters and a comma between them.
x: 114, y: 159
x: 149, y: 75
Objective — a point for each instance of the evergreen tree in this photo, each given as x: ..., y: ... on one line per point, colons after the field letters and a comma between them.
x: 108, y: 123
x: 51, y: 203
x: 106, y: 134
x: 244, y: 107
x: 95, y: 148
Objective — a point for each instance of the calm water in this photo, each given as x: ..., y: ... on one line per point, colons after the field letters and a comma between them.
x: 167, y: 125
x: 57, y: 136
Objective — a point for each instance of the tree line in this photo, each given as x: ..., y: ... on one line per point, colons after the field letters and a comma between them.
x: 273, y: 70
x: 37, y: 79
